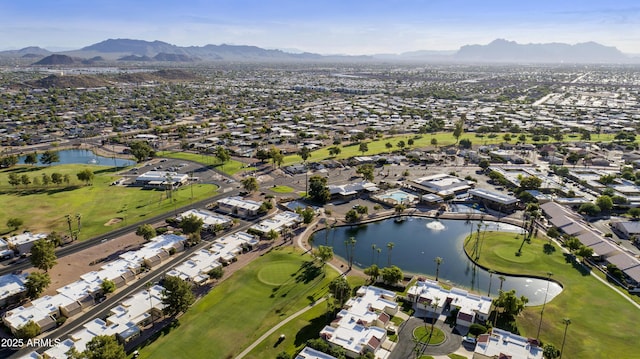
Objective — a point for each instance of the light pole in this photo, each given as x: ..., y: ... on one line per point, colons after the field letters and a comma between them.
x: 566, y: 322
x: 549, y: 274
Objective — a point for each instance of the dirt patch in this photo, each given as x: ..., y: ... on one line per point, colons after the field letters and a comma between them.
x: 70, y: 268
x: 113, y: 221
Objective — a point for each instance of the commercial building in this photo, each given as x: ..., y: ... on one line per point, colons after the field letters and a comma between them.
x: 494, y: 200
x: 161, y: 179
x: 441, y: 184
x: 209, y: 219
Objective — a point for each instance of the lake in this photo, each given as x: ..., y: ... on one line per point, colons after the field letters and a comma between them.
x: 86, y: 157
x: 418, y: 241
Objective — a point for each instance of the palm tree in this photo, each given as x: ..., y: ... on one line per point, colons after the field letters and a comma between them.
x: 566, y: 322
x: 549, y: 274
x: 378, y: 250
x: 373, y: 252
x: 389, y: 249
x: 502, y: 279
x: 352, y: 243
x: 491, y: 271
x: 438, y: 261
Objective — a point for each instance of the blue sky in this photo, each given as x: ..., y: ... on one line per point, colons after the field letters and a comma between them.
x: 321, y: 26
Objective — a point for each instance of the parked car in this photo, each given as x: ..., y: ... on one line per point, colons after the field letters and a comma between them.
x: 469, y: 340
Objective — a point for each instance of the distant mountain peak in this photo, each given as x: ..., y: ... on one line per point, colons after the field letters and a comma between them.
x: 501, y: 50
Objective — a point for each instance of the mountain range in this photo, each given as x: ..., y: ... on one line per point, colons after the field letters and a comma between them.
x: 498, y: 51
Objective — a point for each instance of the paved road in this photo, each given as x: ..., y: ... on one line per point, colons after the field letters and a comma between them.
x: 79, y: 246
x: 102, y: 310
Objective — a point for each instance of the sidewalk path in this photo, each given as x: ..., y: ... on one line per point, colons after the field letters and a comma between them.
x: 272, y: 330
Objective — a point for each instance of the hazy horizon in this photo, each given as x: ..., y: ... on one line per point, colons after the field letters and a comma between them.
x: 328, y: 27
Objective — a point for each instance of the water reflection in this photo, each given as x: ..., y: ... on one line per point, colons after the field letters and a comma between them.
x: 418, y: 241
x: 86, y: 157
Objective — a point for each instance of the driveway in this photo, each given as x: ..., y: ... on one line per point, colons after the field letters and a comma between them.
x: 406, y: 346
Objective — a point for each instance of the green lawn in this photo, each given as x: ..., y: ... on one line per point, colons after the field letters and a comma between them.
x: 43, y: 209
x: 298, y: 331
x: 281, y: 189
x: 425, y: 335
x: 603, y: 324
x: 378, y: 146
x: 231, y: 167
x: 235, y: 313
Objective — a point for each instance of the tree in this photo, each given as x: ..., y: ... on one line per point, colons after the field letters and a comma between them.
x: 550, y: 352
x: 484, y: 164
x: 104, y: 347
x: 351, y: 216
x: 373, y: 272
x: 25, y: 180
x: 388, y: 145
x: 43, y: 255
x: 605, y: 203
x: 107, y: 286
x: 49, y: 157
x: 46, y: 179
x: 390, y: 246
x: 465, y: 143
x: 584, y: 252
x: 366, y: 171
x: 530, y: 182
x: 304, y: 153
x: 434, y: 141
x: 276, y: 156
x: 573, y: 243
x: 307, y: 214
x: 401, y: 145
x: 250, y: 184
x: 13, y: 180
x: 141, y: 150
x: 438, y: 261
x: 458, y: 128
x: 318, y: 190
x: 8, y: 161
x: 364, y: 147
x: 410, y: 142
x: 216, y: 273
x: 177, y: 295
x: 31, y: 158
x: 272, y: 235
x: 55, y: 238
x: 85, y: 176
x: 634, y: 212
x: 36, y: 283
x: 340, y: 289
x: 391, y: 275
x: 324, y: 254
x: 589, y: 209
x: 14, y: 223
x: 191, y: 224
x: 56, y: 178
x: 28, y: 330
x: 222, y: 154
x: 146, y: 231
x: 510, y: 304
x: 334, y: 151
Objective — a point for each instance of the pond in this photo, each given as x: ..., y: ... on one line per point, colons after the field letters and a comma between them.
x: 86, y: 157
x: 418, y: 241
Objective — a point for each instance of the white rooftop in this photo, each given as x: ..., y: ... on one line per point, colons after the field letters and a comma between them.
x: 277, y: 222
x: 240, y: 202
x: 467, y: 302
x: 208, y: 218
x: 25, y: 237
x: 503, y: 342
x: 11, y: 284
